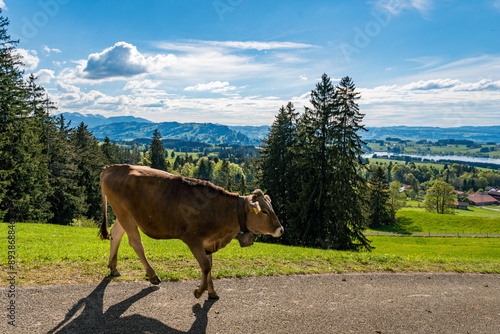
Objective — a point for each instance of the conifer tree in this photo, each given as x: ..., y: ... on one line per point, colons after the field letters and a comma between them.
x: 315, y: 153
x: 158, y: 152
x: 23, y: 166
x: 277, y: 166
x: 378, y: 197
x: 90, y: 161
x: 349, y: 185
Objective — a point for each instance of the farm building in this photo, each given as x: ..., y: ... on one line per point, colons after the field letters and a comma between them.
x: 483, y: 200
x: 495, y: 193
x: 461, y: 205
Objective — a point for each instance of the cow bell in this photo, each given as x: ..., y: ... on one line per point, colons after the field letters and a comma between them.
x: 245, y: 239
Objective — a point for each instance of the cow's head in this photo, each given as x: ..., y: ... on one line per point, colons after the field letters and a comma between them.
x: 261, y: 218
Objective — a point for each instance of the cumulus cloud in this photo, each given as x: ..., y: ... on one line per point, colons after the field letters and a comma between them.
x: 431, y: 84
x: 213, y: 87
x: 123, y: 60
x: 2, y: 5
x: 45, y: 75
x: 29, y: 58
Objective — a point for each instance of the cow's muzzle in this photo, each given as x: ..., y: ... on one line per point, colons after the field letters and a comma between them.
x: 279, y: 231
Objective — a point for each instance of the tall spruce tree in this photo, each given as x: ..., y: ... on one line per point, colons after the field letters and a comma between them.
x: 67, y: 198
x: 90, y: 161
x: 23, y: 164
x: 158, y: 152
x: 278, y: 168
x: 378, y: 197
x: 349, y: 186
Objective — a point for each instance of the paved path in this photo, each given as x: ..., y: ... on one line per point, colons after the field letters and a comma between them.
x: 484, y: 207
x: 332, y: 303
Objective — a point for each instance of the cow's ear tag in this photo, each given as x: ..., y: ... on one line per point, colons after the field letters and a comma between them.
x: 256, y: 210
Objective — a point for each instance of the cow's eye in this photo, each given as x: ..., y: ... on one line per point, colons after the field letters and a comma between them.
x: 265, y: 212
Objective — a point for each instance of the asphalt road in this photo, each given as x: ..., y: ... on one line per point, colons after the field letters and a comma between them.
x: 332, y: 303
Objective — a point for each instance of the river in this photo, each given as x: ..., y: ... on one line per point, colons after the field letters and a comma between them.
x: 437, y: 157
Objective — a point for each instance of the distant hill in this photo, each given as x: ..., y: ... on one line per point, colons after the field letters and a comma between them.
x: 480, y: 134
x: 130, y: 127
x: 96, y: 120
x: 201, y: 132
x: 252, y: 132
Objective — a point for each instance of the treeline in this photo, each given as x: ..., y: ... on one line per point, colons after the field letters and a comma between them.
x: 421, y: 177
x: 310, y: 168
x: 235, y: 174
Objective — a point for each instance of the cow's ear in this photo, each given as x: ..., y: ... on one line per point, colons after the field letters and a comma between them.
x: 267, y: 198
x: 254, y: 204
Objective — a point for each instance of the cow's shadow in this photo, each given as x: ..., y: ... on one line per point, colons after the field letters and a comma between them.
x: 93, y: 319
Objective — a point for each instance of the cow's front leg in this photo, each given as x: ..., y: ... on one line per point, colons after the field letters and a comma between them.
x: 116, y: 236
x: 211, y: 291
x: 205, y: 265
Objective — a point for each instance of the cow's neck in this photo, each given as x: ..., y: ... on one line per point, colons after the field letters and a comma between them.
x: 242, y: 217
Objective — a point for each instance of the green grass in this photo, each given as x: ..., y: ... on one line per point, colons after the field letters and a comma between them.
x: 53, y: 254
x: 472, y: 221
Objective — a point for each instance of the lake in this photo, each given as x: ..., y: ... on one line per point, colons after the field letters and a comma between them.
x: 437, y: 157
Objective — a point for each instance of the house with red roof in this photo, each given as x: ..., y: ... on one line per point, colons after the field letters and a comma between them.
x: 482, y: 200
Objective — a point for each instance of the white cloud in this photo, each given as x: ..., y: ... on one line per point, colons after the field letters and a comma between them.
x: 142, y: 84
x: 214, y: 87
x: 29, y: 58
x: 121, y: 61
x: 256, y: 45
x: 425, y: 62
x: 49, y: 50
x: 44, y: 75
x: 467, y: 70
x: 2, y: 5
x: 396, y: 7
x: 431, y: 84
x: 160, y: 106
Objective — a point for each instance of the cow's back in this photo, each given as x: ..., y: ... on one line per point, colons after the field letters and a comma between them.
x: 164, y: 205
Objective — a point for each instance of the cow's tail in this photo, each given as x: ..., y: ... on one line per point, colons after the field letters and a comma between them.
x: 103, y: 231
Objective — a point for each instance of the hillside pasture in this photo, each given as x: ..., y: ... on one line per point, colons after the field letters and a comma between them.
x: 473, y: 221
x: 54, y: 254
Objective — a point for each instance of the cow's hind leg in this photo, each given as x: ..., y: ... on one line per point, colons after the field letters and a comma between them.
x: 211, y: 291
x: 134, y: 240
x: 206, y: 266
x: 117, y: 232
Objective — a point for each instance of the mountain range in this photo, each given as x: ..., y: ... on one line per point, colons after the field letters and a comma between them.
x: 130, y: 127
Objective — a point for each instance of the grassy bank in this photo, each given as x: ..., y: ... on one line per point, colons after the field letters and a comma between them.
x: 472, y: 221
x: 48, y: 254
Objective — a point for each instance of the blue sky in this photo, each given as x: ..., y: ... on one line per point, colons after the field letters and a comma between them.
x: 415, y: 62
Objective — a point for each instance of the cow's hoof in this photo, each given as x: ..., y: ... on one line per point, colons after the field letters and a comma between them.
x: 155, y: 280
x: 197, y: 294
x: 213, y: 296
x: 115, y: 273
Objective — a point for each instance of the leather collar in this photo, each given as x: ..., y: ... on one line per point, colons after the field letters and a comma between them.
x: 242, y: 217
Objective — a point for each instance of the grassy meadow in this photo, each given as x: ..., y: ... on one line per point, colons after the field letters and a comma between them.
x: 53, y: 254
x: 473, y: 221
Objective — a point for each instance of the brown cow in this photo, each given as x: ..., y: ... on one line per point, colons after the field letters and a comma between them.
x: 167, y: 206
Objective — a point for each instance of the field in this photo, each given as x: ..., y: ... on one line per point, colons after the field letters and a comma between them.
x: 410, y: 147
x: 472, y: 221
x: 53, y: 254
